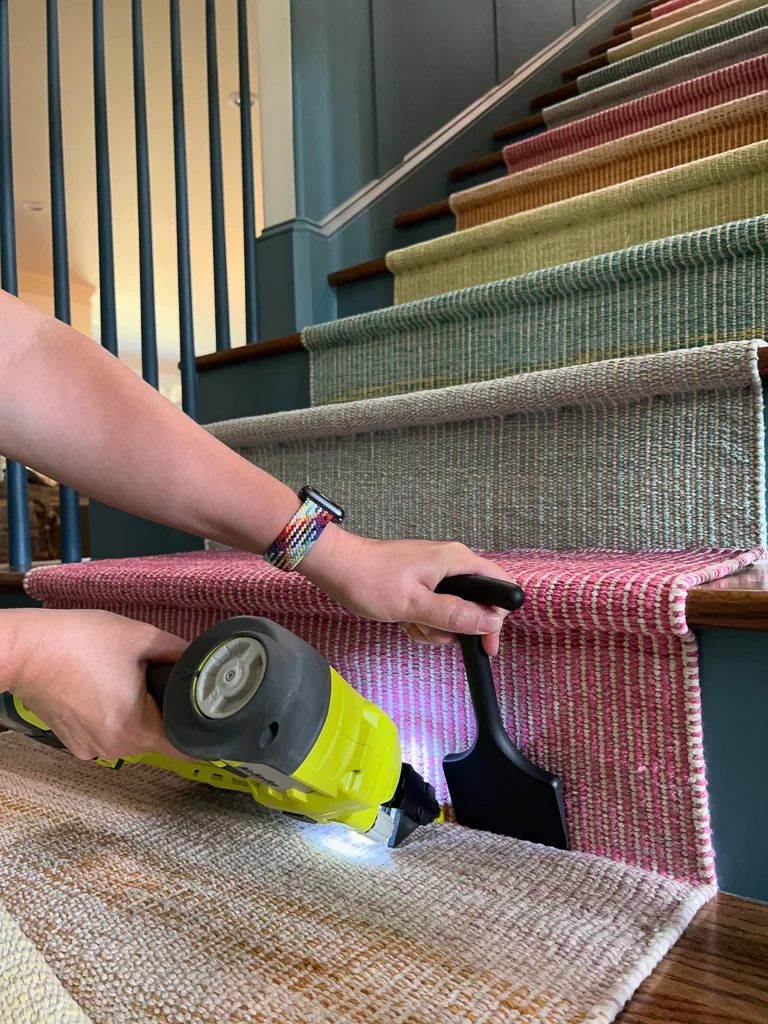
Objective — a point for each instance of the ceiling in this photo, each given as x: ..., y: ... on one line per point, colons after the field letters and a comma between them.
x: 31, y: 169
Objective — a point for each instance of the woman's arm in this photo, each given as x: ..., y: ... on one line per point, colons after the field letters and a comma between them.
x: 72, y: 411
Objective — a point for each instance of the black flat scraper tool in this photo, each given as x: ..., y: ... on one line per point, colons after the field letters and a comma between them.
x: 493, y: 786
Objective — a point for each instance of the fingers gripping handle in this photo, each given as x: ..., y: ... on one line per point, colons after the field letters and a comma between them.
x: 495, y: 593
x: 483, y: 590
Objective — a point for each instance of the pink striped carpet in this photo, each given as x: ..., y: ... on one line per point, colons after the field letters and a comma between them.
x: 598, y: 675
x: 722, y: 86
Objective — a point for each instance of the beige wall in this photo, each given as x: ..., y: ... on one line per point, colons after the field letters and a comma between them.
x: 37, y: 290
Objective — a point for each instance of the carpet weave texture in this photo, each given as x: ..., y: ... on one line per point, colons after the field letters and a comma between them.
x: 158, y: 901
x: 661, y: 20
x: 701, y: 288
x: 718, y: 189
x: 677, y: 71
x: 690, y: 26
x: 671, y: 5
x: 30, y: 992
x: 652, y: 452
x: 687, y: 44
x: 723, y: 86
x: 716, y: 130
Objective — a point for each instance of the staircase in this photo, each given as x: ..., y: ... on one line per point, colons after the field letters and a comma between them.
x: 571, y: 381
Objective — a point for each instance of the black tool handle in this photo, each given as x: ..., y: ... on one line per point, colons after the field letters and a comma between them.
x: 158, y: 674
x: 477, y: 664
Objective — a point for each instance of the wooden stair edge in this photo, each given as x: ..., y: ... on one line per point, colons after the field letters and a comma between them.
x: 292, y: 343
x: 547, y: 99
x: 615, y: 40
x: 593, y: 64
x: 483, y: 163
x: 518, y: 127
x: 12, y: 582
x: 423, y: 213
x: 627, y: 26
x: 255, y: 350
x: 358, y: 272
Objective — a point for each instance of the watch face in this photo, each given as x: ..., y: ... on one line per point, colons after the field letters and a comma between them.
x: 320, y: 499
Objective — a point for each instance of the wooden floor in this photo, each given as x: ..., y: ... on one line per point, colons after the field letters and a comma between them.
x: 716, y: 974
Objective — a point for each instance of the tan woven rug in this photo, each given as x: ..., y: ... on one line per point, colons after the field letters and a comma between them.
x: 154, y: 899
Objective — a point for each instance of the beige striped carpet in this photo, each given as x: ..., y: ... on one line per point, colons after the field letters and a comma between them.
x: 153, y: 899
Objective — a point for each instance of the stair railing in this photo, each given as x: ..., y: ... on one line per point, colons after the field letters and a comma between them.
x: 16, y: 475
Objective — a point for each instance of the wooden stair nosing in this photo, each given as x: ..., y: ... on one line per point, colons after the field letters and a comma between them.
x: 534, y: 121
x: 625, y: 26
x: 358, y: 272
x: 256, y: 350
x: 593, y: 64
x: 292, y: 343
x: 606, y: 44
x: 547, y: 99
x: 485, y: 163
x: 423, y: 213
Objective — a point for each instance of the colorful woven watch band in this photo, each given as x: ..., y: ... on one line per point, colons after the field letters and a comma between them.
x: 298, y: 536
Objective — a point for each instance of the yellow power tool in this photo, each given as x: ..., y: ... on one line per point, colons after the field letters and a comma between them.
x: 264, y: 713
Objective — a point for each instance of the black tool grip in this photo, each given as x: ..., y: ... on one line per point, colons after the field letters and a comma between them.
x: 158, y: 674
x: 483, y: 590
x: 500, y: 594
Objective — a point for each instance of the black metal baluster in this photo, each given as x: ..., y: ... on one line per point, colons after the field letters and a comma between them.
x: 220, y: 288
x: 69, y: 502
x: 186, y: 325
x: 19, y: 543
x: 149, y: 369
x: 246, y: 144
x: 103, y: 187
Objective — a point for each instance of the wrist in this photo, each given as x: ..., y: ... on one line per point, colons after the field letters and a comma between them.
x: 20, y: 637
x: 330, y: 558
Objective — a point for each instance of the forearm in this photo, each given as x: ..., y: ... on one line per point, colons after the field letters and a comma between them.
x: 74, y: 412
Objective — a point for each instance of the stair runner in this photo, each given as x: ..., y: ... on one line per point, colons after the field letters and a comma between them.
x: 677, y: 71
x: 674, y: 48
x: 717, y: 130
x: 681, y: 292
x: 699, y: 22
x: 597, y: 428
x: 728, y: 186
x: 729, y: 83
x: 673, y: 5
x: 675, y: 16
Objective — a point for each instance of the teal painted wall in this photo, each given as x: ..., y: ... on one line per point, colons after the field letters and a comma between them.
x: 374, y: 78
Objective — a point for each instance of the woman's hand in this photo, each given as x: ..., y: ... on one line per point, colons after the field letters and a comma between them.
x: 84, y: 674
x: 394, y: 581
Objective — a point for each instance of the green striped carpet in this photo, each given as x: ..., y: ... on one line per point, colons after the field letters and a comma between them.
x: 726, y: 187
x: 652, y: 452
x: 681, y: 292
x: 652, y: 58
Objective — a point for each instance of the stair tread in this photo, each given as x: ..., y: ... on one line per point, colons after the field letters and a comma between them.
x: 484, y: 163
x: 547, y: 99
x: 639, y: 19
x: 518, y: 127
x: 739, y: 601
x: 244, y: 353
x: 593, y: 64
x: 358, y: 272
x: 422, y: 213
x: 615, y: 40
